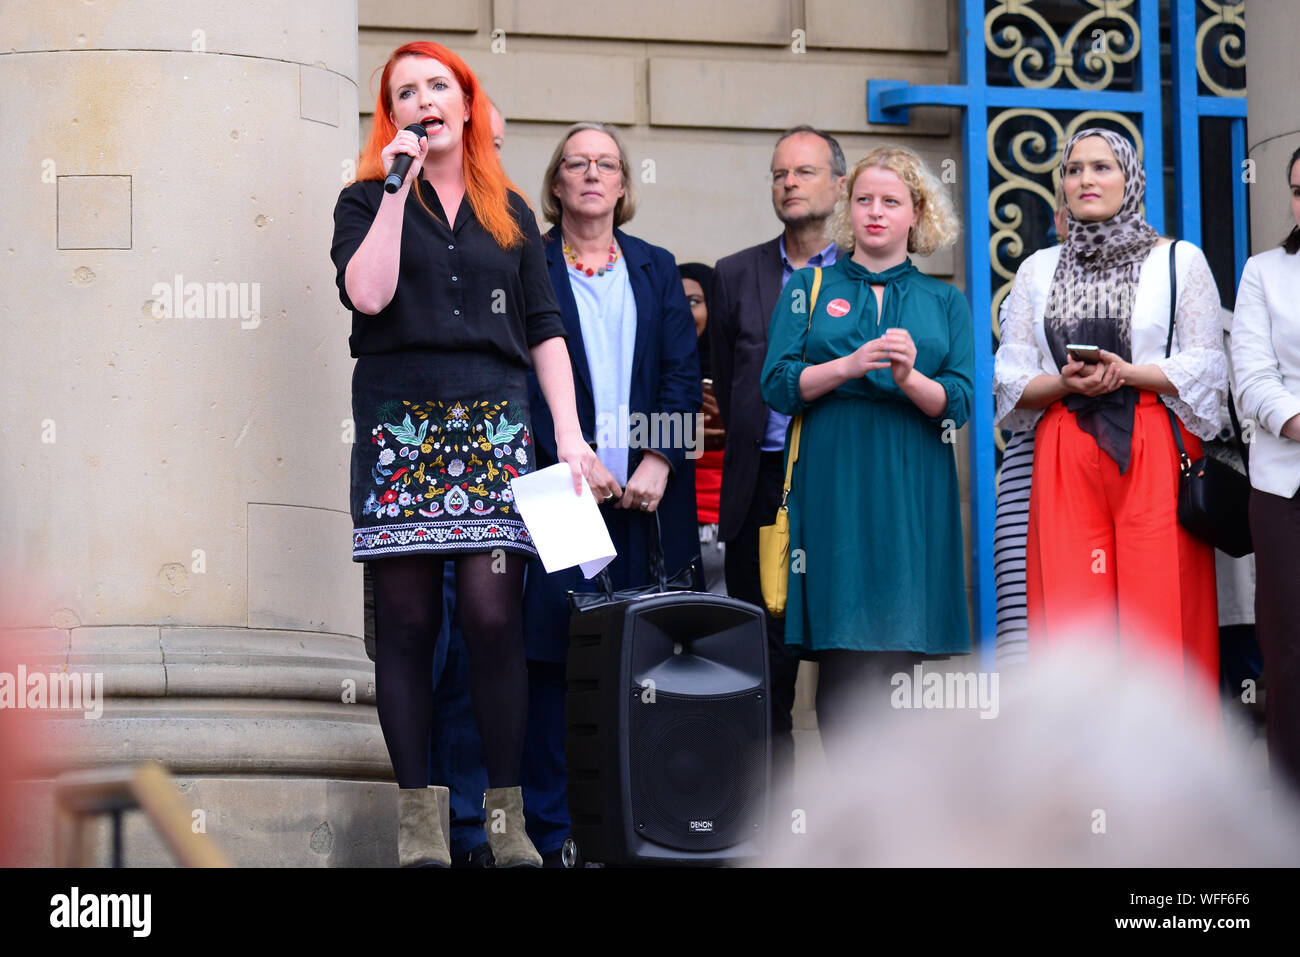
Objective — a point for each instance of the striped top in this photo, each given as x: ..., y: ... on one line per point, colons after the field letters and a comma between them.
x: 1010, y: 536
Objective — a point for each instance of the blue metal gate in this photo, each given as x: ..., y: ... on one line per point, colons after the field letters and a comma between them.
x: 1033, y: 73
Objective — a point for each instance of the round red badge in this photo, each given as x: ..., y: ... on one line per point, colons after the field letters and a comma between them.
x: 838, y: 307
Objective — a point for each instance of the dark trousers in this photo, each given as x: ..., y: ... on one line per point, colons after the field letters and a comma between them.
x: 1275, y: 527
x: 544, y: 777
x: 741, y: 568
x: 455, y: 752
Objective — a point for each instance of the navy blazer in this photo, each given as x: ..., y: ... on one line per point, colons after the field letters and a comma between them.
x: 665, y: 378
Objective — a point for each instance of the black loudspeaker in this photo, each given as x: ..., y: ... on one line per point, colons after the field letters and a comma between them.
x: 667, y: 730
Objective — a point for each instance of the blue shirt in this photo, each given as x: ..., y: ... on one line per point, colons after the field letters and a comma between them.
x: 607, y: 316
x: 774, y: 436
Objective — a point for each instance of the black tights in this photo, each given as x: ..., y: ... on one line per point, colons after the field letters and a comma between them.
x: 850, y: 684
x: 408, y: 616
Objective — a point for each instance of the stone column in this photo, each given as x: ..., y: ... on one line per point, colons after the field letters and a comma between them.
x: 176, y: 396
x: 1273, y: 124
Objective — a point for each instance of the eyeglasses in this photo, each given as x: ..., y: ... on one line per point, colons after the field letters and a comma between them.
x: 803, y: 174
x: 578, y: 165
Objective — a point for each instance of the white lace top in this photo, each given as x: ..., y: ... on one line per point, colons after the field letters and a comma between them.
x: 1196, y: 365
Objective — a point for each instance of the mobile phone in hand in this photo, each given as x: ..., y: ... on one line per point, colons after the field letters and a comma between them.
x: 1086, y: 354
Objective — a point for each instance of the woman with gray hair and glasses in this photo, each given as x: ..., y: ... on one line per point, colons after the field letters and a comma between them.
x: 632, y: 344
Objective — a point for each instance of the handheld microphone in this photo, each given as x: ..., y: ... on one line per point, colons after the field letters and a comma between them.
x: 402, y: 162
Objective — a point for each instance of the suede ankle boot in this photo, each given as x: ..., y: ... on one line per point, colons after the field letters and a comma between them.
x: 503, y: 820
x: 421, y: 832
x: 444, y: 814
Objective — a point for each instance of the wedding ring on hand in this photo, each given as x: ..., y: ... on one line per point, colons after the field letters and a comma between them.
x: 645, y: 505
x: 608, y: 496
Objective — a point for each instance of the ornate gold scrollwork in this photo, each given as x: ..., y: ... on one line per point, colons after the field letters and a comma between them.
x: 1226, y: 17
x: 1106, y: 46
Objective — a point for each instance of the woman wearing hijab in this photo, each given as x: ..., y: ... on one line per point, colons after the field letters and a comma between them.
x: 882, y: 375
x: 1106, y: 558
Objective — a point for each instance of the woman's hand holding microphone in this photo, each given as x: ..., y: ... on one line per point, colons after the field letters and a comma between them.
x: 407, y: 143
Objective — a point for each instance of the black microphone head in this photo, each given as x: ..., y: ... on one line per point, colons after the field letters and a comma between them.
x: 418, y: 129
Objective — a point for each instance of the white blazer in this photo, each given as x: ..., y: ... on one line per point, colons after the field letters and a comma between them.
x: 1197, y: 366
x: 1265, y: 346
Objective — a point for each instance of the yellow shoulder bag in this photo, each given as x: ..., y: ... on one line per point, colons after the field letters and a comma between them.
x: 774, y: 539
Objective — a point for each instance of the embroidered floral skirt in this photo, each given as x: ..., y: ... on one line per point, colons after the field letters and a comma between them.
x: 438, y: 439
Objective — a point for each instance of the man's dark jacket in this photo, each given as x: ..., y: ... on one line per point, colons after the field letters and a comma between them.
x: 746, y: 286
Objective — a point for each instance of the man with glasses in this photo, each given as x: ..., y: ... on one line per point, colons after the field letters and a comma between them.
x: 807, y: 176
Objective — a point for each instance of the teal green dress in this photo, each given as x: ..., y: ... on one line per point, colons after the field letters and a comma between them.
x: 875, y: 515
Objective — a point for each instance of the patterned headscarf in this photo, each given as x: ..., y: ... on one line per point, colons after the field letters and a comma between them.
x: 1097, y: 274
x: 1091, y: 297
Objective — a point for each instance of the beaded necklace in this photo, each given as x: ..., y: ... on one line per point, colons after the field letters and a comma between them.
x: 572, y: 257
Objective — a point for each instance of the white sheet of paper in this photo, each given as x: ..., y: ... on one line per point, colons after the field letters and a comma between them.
x: 567, y: 529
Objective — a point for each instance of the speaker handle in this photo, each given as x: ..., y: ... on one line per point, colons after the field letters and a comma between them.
x: 604, y: 583
x: 660, y: 582
x: 657, y: 575
x: 655, y: 551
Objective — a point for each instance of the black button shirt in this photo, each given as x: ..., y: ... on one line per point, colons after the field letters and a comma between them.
x: 457, y: 290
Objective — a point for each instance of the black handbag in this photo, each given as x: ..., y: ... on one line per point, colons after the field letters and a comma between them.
x: 1213, y: 498
x: 661, y: 582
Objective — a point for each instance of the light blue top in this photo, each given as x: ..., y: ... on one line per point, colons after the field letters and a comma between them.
x: 607, y: 315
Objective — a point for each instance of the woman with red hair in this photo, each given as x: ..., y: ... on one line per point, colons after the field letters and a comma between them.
x: 451, y: 306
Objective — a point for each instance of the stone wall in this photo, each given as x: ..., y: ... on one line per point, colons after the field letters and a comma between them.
x: 176, y: 449
x: 700, y: 91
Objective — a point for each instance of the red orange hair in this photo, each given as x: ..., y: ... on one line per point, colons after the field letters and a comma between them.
x: 486, y: 184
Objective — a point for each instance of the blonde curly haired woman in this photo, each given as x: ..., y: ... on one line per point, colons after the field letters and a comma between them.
x: 882, y: 374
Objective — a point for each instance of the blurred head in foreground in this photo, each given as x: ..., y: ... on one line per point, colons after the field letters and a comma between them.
x: 24, y: 746
x: 1088, y: 763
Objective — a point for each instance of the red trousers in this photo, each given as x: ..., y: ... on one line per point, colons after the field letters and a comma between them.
x: 1107, y: 561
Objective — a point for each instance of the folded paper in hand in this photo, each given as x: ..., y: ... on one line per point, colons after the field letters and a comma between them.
x: 567, y: 529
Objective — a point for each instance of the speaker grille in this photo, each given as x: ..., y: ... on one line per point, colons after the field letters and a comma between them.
x: 697, y: 769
